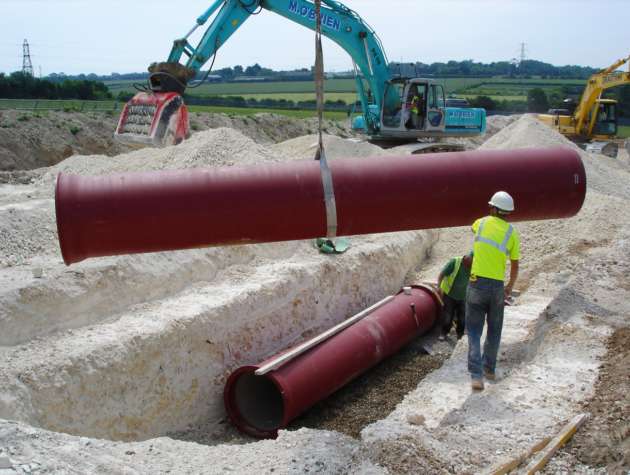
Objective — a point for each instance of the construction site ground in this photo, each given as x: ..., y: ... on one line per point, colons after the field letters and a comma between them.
x: 116, y: 365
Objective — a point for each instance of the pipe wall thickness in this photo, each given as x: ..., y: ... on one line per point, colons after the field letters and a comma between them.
x: 262, y: 405
x: 132, y: 213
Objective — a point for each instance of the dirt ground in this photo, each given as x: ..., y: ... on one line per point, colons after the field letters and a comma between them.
x: 79, y: 344
x: 31, y: 140
x: 603, y: 441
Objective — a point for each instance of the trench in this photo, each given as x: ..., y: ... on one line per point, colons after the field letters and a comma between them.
x: 370, y: 397
x: 136, y: 348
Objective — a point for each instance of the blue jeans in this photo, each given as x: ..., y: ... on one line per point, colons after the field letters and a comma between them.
x: 484, y: 298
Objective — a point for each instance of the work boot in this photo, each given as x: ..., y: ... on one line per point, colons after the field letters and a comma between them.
x: 488, y: 376
x: 477, y: 384
x: 442, y: 337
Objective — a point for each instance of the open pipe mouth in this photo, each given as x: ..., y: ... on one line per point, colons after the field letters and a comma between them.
x: 254, y: 403
x: 300, y: 377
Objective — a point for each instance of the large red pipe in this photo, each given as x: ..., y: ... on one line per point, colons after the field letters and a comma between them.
x: 130, y: 213
x: 262, y: 405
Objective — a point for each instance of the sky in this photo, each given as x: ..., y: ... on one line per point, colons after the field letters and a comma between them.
x: 123, y: 36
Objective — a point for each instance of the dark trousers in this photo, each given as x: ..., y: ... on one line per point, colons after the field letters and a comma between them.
x: 484, y: 302
x: 454, y: 309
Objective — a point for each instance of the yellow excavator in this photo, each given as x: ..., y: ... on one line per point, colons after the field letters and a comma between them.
x: 591, y: 122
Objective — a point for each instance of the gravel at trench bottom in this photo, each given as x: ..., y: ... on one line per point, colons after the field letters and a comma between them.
x: 367, y: 399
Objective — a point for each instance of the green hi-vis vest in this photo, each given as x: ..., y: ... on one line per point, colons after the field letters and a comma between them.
x: 447, y: 281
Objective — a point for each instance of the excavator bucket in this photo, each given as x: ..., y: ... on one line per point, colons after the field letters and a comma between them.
x: 153, y: 120
x: 609, y: 149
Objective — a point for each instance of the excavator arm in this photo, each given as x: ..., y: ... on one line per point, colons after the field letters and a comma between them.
x: 137, y: 126
x: 599, y: 81
x: 339, y: 23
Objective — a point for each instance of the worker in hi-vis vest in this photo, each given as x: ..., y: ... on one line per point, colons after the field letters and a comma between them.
x: 453, y: 285
x: 495, y: 241
x: 411, y: 109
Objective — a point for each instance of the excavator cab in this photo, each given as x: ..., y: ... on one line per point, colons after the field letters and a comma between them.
x: 605, y: 119
x: 416, y: 108
x: 404, y: 107
x: 595, y: 133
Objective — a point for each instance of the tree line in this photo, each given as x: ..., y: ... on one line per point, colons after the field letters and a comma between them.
x: 526, y: 68
x: 19, y: 85
x: 467, y: 68
x: 225, y: 73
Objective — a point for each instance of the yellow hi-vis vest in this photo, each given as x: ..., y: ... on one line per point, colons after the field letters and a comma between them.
x: 501, y: 247
x: 415, y: 103
x: 490, y: 260
x: 447, y: 281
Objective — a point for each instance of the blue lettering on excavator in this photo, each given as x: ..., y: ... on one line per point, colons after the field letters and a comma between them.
x: 309, y: 13
x: 458, y: 119
x: 461, y: 114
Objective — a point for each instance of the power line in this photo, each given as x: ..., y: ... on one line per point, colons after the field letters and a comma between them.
x: 27, y: 65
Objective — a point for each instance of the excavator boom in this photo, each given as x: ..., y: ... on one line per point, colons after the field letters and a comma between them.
x: 340, y: 24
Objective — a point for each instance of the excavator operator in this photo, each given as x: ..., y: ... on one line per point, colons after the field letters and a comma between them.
x: 411, y: 112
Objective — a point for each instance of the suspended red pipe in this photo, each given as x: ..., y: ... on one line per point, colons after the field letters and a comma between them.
x: 262, y: 405
x: 133, y: 213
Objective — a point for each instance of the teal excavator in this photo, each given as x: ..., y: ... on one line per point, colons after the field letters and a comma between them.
x: 397, y: 106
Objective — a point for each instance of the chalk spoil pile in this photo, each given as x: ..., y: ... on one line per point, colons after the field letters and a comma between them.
x: 128, y: 348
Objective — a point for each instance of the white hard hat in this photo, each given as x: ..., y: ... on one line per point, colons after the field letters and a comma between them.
x: 502, y: 200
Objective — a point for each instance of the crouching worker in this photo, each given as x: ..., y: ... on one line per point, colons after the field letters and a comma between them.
x: 453, y: 285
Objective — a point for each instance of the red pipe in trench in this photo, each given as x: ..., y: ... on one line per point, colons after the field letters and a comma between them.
x: 107, y: 215
x: 262, y: 405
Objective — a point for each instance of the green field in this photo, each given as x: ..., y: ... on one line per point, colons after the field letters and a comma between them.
x: 334, y: 89
x: 349, y: 97
x: 265, y: 88
x: 494, y: 97
x: 494, y: 87
x: 45, y: 105
x: 248, y: 88
x: 623, y: 131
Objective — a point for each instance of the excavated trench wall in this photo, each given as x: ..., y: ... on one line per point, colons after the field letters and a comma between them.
x: 129, y: 348
x: 132, y: 347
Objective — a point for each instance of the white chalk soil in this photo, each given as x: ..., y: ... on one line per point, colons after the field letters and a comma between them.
x: 30, y: 140
x: 101, y: 360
